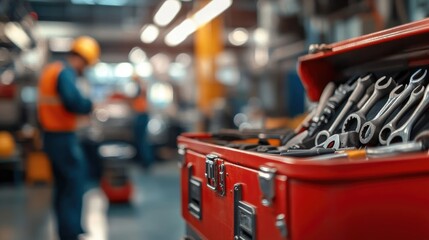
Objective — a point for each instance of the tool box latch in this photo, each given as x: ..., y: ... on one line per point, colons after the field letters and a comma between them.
x: 181, y: 149
x: 266, y: 183
x: 215, y: 174
x: 244, y: 217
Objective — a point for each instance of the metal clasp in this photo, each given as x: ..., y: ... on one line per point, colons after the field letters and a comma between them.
x: 317, y: 48
x: 181, y: 149
x: 266, y: 183
x: 215, y: 174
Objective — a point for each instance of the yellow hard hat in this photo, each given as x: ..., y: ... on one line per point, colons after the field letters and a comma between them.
x: 7, y: 144
x: 88, y: 48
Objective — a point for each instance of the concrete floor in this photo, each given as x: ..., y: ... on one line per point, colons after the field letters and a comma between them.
x: 154, y: 212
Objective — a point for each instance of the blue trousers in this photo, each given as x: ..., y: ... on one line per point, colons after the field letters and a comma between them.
x: 144, y: 149
x: 70, y: 173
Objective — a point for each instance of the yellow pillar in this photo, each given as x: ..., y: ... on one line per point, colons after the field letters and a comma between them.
x: 208, y: 44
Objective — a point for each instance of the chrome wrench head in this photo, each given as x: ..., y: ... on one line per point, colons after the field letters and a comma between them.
x: 355, y: 120
x: 369, y: 129
x: 403, y: 133
x: 362, y: 84
x: 415, y: 96
x: 343, y: 140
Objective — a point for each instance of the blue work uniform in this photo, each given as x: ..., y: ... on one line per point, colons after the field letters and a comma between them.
x: 68, y: 159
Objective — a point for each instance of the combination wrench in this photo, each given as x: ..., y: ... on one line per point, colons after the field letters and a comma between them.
x: 362, y: 84
x: 354, y: 121
x: 403, y: 133
x: 391, y: 126
x: 371, y: 129
x: 350, y: 135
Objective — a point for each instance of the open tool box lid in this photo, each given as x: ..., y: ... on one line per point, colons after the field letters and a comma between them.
x: 401, y: 47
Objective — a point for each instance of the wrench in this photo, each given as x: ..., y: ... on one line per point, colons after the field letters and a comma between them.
x: 365, y: 98
x: 385, y: 132
x: 341, y: 94
x: 358, y: 92
x: 355, y: 120
x: 343, y: 140
x: 323, y: 101
x: 371, y: 129
x: 327, y: 92
x: 403, y: 133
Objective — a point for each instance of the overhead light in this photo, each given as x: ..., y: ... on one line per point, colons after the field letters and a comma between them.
x: 210, y: 11
x: 149, y: 33
x: 160, y: 63
x: 124, y: 70
x: 17, y: 35
x: 144, y: 69
x: 201, y: 17
x: 103, y: 70
x: 60, y: 44
x: 112, y: 2
x: 101, y: 2
x: 238, y: 37
x: 167, y: 12
x: 260, y: 36
x: 137, y: 55
x: 180, y: 32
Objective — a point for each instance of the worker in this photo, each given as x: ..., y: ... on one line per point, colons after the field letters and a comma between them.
x: 140, y: 106
x: 60, y: 103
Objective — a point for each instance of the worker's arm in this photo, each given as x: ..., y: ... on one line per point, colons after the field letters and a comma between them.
x: 70, y: 95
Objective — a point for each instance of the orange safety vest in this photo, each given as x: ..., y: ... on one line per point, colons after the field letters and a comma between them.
x: 53, y: 116
x: 140, y: 103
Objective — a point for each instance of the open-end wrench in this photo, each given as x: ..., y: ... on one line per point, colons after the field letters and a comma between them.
x: 391, y: 126
x: 403, y: 133
x: 365, y: 98
x: 362, y: 84
x: 354, y: 121
x: 371, y: 129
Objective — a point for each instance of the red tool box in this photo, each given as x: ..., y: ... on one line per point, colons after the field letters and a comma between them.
x: 229, y: 193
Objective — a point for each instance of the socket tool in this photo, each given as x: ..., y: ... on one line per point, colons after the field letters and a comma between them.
x: 362, y: 84
x: 391, y: 126
x: 354, y: 121
x: 403, y: 133
x: 371, y: 129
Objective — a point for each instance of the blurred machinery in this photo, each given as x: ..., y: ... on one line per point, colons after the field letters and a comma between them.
x: 22, y: 54
x: 116, y: 182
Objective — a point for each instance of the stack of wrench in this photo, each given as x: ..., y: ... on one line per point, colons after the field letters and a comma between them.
x: 342, y: 118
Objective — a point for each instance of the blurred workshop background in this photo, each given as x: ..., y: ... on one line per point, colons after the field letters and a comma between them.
x: 204, y: 66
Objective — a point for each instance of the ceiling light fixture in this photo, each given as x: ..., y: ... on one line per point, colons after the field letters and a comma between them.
x: 238, y: 37
x: 149, y: 33
x: 180, y: 32
x: 17, y: 35
x: 167, y: 12
x: 210, y: 11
